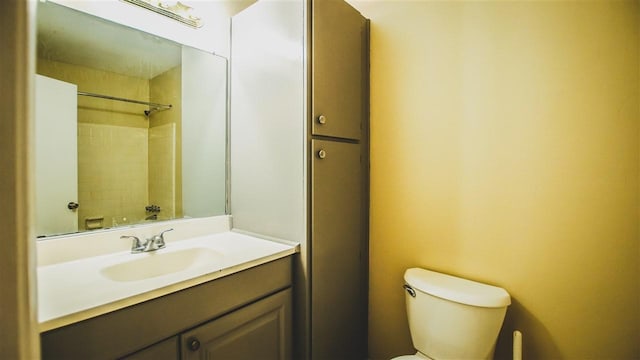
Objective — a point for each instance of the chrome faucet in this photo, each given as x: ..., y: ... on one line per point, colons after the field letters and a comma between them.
x: 151, y: 244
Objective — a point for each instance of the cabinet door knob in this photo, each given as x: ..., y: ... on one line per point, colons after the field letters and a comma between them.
x: 322, y: 119
x: 194, y: 344
x: 322, y: 154
x: 72, y: 205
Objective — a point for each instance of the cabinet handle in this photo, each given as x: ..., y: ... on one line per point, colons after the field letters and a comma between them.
x: 322, y: 154
x: 322, y: 119
x: 72, y: 205
x: 194, y: 344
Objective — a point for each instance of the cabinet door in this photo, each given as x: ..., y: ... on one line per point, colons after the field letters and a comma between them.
x: 339, y: 69
x: 261, y: 330
x: 338, y: 309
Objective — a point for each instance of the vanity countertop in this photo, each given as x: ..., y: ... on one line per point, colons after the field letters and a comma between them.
x: 79, y: 289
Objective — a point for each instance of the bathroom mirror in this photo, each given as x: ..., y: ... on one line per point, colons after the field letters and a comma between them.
x: 130, y: 127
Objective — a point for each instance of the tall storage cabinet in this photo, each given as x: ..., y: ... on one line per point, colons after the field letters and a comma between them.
x: 339, y: 181
x: 299, y: 158
x: 338, y: 253
x: 339, y: 70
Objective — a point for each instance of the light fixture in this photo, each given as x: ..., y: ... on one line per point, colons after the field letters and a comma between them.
x: 171, y: 8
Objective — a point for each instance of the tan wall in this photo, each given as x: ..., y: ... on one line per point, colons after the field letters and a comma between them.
x: 505, y: 149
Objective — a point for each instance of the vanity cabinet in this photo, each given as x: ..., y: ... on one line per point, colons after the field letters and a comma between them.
x: 257, y: 331
x: 165, y: 350
x: 233, y: 317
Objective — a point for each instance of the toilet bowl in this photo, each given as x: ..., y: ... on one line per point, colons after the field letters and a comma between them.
x: 452, y: 318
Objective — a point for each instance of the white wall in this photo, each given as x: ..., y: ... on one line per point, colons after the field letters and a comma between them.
x: 268, y: 134
x: 204, y: 137
x: 268, y: 120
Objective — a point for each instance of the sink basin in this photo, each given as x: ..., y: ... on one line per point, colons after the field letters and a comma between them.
x: 154, y: 264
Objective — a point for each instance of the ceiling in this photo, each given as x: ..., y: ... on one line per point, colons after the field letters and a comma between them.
x: 70, y: 36
x: 75, y: 37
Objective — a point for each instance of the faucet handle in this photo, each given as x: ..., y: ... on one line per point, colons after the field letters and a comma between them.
x: 136, y: 245
x: 159, y: 239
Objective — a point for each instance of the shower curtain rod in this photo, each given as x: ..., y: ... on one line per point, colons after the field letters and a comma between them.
x: 153, y: 106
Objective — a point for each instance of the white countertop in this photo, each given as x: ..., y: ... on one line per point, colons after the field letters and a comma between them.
x: 77, y: 289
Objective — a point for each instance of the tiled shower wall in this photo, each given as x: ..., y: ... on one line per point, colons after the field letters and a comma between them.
x: 125, y: 161
x: 122, y: 170
x: 113, y: 174
x: 165, y: 144
x: 162, y: 169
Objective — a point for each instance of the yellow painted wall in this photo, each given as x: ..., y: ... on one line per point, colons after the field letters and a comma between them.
x: 505, y: 149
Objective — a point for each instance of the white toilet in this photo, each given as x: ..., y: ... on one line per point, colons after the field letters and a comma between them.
x: 452, y: 318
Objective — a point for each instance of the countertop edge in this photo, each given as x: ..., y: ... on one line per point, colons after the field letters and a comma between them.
x: 165, y: 290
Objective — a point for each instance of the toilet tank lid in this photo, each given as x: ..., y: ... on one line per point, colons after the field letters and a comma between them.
x: 457, y: 289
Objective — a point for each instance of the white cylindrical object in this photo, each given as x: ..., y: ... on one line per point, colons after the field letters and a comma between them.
x: 517, y: 345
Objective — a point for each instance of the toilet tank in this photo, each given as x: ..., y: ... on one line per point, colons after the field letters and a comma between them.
x: 451, y: 317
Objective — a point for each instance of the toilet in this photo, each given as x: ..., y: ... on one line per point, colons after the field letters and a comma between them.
x: 452, y: 318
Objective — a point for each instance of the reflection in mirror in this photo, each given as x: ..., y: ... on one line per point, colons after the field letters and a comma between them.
x: 147, y: 144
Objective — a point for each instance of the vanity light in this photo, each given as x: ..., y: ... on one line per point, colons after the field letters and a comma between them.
x: 171, y: 8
